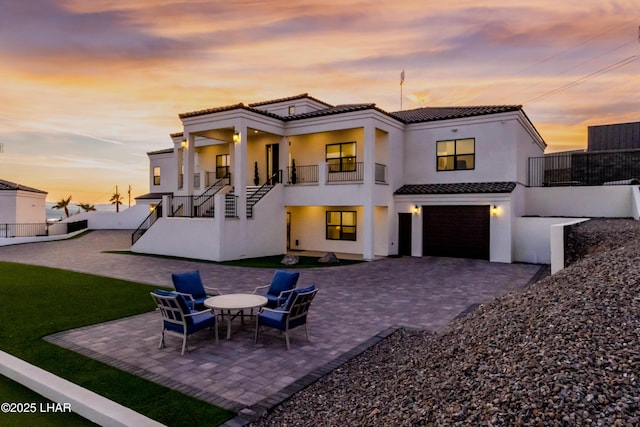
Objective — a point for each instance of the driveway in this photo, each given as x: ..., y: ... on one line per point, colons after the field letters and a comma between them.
x: 356, y: 306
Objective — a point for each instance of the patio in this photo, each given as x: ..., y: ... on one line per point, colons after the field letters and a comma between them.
x: 357, y: 306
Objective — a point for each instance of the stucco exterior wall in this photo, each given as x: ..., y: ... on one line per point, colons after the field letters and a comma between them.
x: 600, y: 201
x: 22, y: 207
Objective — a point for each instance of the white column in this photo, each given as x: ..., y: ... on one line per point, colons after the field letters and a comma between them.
x: 369, y: 218
x: 189, y: 163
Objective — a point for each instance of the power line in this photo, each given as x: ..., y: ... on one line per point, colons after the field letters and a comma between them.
x: 601, y: 71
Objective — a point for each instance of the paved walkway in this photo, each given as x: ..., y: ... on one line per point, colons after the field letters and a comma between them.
x: 356, y: 306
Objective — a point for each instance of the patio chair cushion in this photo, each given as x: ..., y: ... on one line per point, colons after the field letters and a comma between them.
x: 194, y: 323
x: 283, y: 281
x: 189, y: 283
x: 292, y: 296
x: 276, y: 318
x: 180, y: 299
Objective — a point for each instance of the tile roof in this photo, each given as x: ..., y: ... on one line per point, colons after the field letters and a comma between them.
x: 153, y: 196
x: 417, y: 115
x: 458, y: 188
x: 428, y: 114
x: 165, y: 151
x: 12, y: 186
x: 338, y: 109
x: 239, y: 106
x: 290, y: 98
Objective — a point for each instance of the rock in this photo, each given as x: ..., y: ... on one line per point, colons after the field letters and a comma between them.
x: 290, y: 260
x: 562, y: 351
x: 329, y: 258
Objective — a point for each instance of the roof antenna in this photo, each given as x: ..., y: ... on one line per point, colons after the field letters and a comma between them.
x: 401, y: 81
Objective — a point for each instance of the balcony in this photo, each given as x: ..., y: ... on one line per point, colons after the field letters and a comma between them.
x: 620, y: 167
x: 310, y: 174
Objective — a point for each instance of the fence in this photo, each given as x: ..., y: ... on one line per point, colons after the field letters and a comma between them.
x: 618, y: 167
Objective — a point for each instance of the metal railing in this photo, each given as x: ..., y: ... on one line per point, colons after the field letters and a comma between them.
x: 357, y: 174
x: 618, y: 167
x: 41, y: 229
x: 147, y: 223
x: 259, y: 193
x: 303, y: 174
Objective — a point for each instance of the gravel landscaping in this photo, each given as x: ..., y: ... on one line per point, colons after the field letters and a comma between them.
x: 564, y: 351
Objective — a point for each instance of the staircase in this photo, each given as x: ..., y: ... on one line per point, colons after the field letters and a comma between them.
x: 254, y: 194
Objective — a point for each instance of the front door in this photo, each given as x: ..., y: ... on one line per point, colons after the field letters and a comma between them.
x: 404, y: 233
x: 273, y: 163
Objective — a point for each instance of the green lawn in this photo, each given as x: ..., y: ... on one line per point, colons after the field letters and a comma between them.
x: 39, y: 301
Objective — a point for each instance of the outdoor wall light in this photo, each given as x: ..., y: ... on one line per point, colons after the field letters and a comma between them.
x: 416, y: 210
x: 494, y: 210
x: 236, y: 137
x: 184, y: 144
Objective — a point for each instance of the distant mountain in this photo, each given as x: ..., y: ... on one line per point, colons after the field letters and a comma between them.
x: 74, y: 209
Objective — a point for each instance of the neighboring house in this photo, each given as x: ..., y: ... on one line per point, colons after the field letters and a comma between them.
x: 20, y: 204
x: 300, y: 174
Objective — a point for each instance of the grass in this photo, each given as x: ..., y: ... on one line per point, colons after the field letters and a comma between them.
x: 40, y: 301
x: 273, y: 261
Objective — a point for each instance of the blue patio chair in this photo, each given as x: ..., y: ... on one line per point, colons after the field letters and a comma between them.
x: 179, y: 319
x: 282, y: 284
x: 190, y: 285
x: 292, y: 315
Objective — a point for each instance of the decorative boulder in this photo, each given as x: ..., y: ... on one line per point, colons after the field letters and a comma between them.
x: 329, y: 258
x: 290, y: 260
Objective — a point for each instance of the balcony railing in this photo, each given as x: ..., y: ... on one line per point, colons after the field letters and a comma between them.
x: 356, y: 174
x: 351, y: 172
x: 302, y: 174
x: 618, y: 167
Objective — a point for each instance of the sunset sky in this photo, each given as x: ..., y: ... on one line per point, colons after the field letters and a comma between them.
x: 89, y: 87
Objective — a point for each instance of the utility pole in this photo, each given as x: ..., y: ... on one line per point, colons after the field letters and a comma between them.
x: 129, y: 193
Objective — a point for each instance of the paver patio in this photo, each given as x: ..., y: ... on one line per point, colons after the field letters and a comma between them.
x: 356, y: 306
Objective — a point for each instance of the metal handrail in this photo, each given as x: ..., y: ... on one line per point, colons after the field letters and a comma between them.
x: 151, y: 218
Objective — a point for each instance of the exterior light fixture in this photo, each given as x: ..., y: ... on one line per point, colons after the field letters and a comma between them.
x: 184, y: 144
x: 236, y: 137
x: 494, y: 210
x: 416, y: 210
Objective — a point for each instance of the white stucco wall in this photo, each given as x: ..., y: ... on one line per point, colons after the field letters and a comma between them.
x: 500, y: 144
x: 602, y: 201
x: 8, y: 207
x: 126, y: 219
x: 168, y: 172
x: 22, y: 207
x: 532, y: 238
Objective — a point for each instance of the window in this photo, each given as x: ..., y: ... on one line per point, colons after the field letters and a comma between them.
x: 222, y: 165
x: 456, y: 154
x: 292, y: 110
x: 156, y: 175
x: 341, y: 225
x: 341, y: 157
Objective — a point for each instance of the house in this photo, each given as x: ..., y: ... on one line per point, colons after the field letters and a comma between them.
x: 298, y: 173
x: 20, y: 204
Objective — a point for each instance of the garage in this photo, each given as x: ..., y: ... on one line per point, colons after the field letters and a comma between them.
x: 456, y: 231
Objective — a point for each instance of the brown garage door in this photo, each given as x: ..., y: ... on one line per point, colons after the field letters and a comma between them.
x: 456, y: 231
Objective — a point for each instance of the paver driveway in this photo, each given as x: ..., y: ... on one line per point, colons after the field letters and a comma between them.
x: 356, y: 306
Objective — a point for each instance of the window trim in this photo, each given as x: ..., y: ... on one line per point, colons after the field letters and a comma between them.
x: 342, y: 234
x: 345, y: 163
x: 455, y: 155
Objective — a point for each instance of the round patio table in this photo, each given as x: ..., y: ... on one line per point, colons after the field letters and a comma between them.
x: 233, y: 305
